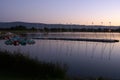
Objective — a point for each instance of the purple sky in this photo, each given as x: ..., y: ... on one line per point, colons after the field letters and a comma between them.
x: 61, y: 11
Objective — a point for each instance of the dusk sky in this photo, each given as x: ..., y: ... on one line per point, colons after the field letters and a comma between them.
x: 61, y: 11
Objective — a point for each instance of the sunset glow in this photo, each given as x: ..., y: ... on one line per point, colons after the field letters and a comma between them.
x: 82, y: 12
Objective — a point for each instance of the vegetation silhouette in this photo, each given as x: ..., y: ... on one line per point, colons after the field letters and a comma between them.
x: 60, y: 29
x: 17, y: 65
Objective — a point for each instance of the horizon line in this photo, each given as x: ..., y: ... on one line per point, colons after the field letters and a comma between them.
x: 57, y: 23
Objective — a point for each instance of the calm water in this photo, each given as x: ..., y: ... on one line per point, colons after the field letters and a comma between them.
x: 82, y: 58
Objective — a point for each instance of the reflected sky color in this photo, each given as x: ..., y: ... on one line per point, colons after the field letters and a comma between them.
x: 61, y: 11
x: 83, y: 59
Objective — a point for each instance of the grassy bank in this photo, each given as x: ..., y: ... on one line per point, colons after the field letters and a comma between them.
x: 15, y: 66
x: 19, y: 67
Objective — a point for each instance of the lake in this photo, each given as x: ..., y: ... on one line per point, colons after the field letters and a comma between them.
x: 86, y: 59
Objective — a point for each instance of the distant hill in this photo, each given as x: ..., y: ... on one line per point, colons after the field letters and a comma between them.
x: 42, y: 25
x: 28, y: 25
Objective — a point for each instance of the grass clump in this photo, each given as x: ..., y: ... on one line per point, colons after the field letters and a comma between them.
x: 18, y: 65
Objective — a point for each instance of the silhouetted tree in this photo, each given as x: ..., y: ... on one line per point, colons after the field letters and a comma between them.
x: 33, y: 28
x: 20, y: 27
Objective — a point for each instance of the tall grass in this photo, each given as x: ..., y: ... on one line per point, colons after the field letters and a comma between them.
x: 18, y: 65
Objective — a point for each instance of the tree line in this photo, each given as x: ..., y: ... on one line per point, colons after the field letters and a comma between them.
x: 46, y: 29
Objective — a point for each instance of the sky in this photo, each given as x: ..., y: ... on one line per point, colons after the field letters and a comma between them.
x: 84, y: 12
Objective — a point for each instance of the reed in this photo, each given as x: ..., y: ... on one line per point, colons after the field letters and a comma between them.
x: 21, y: 66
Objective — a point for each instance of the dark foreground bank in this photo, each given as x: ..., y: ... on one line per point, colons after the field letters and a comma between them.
x: 15, y: 66
x: 22, y: 67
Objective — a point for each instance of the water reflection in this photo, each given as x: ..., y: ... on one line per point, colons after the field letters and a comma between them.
x: 82, y: 58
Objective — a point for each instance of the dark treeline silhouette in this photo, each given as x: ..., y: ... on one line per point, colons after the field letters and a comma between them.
x: 20, y: 27
x: 58, y: 29
x: 79, y: 30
